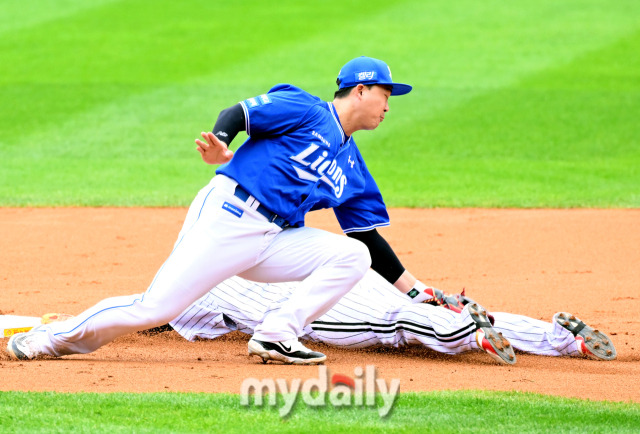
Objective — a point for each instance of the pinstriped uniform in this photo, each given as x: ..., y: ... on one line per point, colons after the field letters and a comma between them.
x: 372, y: 313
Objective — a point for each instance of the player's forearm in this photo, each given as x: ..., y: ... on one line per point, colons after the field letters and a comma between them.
x: 229, y: 123
x: 406, y: 282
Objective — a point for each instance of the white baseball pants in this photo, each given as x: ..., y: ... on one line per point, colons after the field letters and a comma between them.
x: 223, y: 236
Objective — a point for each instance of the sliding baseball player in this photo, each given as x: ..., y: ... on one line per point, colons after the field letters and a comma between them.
x: 374, y: 313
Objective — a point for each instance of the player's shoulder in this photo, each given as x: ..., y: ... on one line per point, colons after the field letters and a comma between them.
x: 296, y: 102
x: 291, y: 91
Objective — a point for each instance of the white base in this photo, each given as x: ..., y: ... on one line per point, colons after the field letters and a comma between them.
x: 12, y: 324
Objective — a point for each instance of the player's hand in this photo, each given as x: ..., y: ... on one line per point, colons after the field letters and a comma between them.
x: 213, y: 150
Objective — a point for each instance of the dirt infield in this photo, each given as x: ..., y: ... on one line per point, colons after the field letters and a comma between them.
x: 533, y: 262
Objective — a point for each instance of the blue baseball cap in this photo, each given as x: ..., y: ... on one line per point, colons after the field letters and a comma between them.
x: 367, y: 71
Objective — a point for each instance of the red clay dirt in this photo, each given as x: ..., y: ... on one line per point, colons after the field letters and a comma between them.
x: 532, y: 262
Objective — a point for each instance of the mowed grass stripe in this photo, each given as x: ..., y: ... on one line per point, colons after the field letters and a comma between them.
x: 29, y: 14
x: 110, y: 54
x: 118, y: 132
x: 566, y: 136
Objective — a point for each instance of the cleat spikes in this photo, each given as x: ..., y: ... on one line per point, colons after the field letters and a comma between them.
x: 590, y: 342
x: 487, y: 338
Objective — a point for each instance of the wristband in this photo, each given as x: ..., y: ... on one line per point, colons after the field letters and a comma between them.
x: 422, y: 293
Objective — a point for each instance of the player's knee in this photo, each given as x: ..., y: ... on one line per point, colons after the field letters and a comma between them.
x: 359, y: 255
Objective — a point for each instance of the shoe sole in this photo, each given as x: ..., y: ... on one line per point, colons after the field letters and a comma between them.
x: 500, y: 344
x: 596, y: 342
x: 255, y: 349
x: 13, y: 350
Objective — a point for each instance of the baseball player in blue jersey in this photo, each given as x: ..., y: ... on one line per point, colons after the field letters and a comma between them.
x: 300, y: 156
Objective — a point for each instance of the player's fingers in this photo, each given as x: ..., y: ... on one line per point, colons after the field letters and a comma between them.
x: 201, y: 144
x: 213, y: 140
x: 209, y: 137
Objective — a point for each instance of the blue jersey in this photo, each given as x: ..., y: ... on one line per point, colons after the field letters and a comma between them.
x: 298, y: 159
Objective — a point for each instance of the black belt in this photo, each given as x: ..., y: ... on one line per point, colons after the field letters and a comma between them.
x: 241, y: 194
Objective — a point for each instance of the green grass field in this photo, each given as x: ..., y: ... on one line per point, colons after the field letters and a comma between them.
x: 525, y: 104
x: 468, y: 411
x: 515, y: 104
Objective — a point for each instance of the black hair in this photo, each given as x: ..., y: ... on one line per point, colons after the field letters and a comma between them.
x: 343, y: 93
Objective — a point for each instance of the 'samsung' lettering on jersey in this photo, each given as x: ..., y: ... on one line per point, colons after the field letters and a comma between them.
x: 334, y: 176
x: 322, y: 139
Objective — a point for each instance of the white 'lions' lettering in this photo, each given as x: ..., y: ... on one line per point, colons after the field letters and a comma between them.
x: 304, y: 154
x: 320, y: 169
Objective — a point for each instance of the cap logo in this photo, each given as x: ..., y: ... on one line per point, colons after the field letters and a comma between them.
x: 365, y: 75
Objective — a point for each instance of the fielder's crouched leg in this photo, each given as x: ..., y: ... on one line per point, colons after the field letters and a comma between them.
x: 331, y: 266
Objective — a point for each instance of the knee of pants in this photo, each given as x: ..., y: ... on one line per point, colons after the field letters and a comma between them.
x: 358, y: 254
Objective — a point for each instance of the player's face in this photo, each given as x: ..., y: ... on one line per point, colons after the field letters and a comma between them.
x: 375, y: 103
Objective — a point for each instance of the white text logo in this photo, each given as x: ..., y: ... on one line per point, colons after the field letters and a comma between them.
x: 321, y: 169
x: 365, y: 75
x: 345, y: 391
x: 322, y: 139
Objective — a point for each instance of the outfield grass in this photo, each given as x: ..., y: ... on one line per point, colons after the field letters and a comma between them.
x: 468, y: 411
x: 516, y: 104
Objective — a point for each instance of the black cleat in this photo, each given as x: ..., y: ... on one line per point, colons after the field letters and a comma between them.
x: 289, y: 352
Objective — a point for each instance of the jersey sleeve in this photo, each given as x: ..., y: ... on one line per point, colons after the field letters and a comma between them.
x: 277, y: 112
x: 365, y: 211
